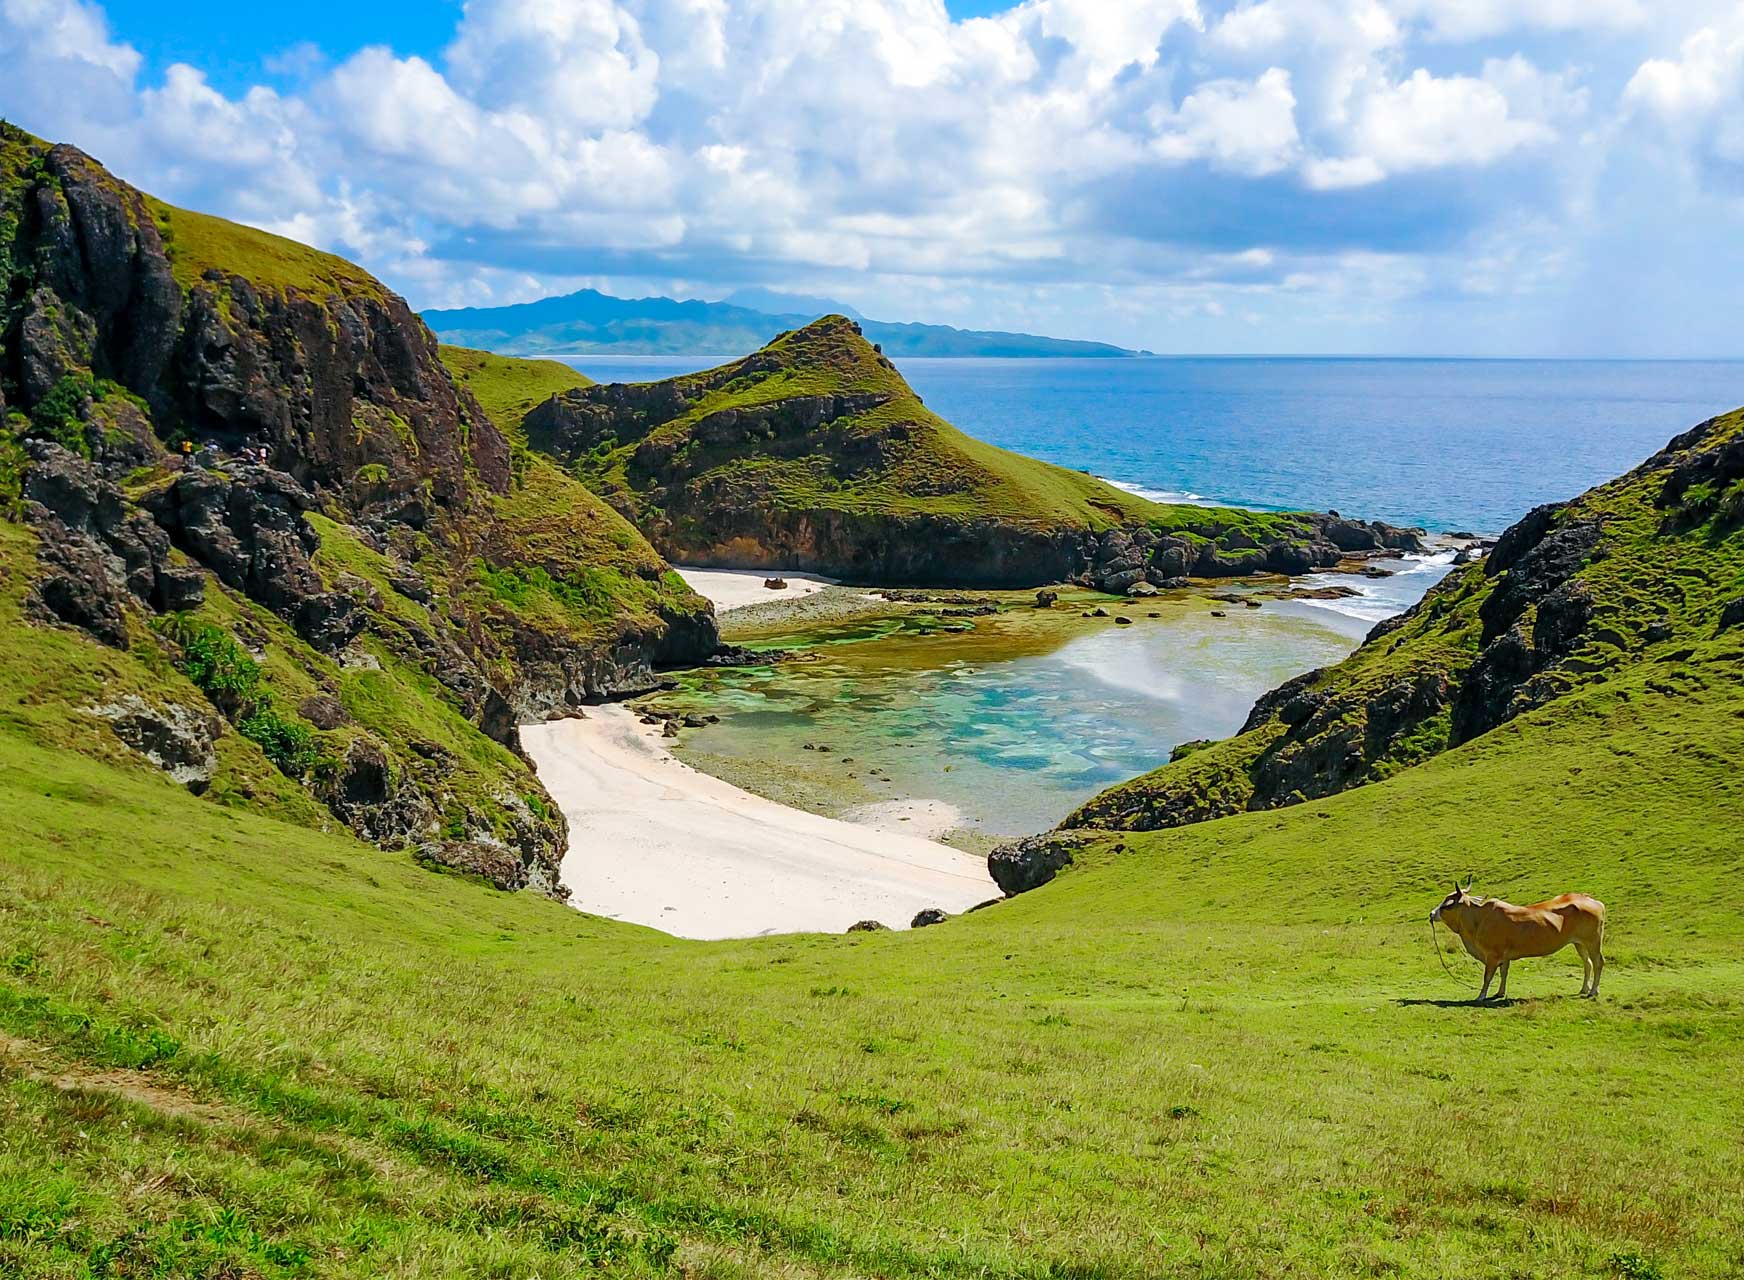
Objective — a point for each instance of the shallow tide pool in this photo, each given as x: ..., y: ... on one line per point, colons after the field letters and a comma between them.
x: 1013, y: 725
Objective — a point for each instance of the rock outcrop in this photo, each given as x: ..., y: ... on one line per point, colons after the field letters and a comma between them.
x: 1570, y: 595
x: 175, y: 738
x: 1033, y: 861
x: 191, y: 408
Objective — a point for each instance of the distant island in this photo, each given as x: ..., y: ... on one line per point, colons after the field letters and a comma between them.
x: 590, y: 321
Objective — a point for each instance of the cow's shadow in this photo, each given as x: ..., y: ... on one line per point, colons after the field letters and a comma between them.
x: 1473, y: 1003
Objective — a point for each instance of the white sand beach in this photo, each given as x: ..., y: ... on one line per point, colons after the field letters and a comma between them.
x: 927, y: 819
x: 735, y: 588
x: 655, y: 842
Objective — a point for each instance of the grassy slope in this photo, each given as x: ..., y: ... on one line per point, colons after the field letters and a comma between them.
x: 598, y: 572
x: 936, y: 469
x: 198, y: 243
x: 58, y: 674
x: 505, y: 386
x: 1649, y: 575
x: 239, y: 1043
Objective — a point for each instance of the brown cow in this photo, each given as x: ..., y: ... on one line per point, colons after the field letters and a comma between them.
x: 1498, y: 932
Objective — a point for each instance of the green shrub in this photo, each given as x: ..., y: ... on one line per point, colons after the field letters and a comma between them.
x: 60, y: 415
x: 290, y: 744
x: 222, y: 670
x: 12, y: 464
x: 63, y: 414
x: 372, y: 475
x: 219, y: 667
x: 1699, y: 499
x: 590, y: 596
x: 1730, y: 508
x: 1634, y: 1265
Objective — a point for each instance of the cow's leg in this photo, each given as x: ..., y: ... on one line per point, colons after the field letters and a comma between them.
x: 1489, y: 972
x: 1502, y: 991
x: 1586, y: 958
x: 1598, y: 969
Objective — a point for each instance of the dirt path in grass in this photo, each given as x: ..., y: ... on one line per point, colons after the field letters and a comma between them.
x: 32, y: 1061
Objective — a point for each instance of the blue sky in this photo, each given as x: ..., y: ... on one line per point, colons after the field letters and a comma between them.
x: 236, y: 44
x: 1415, y: 176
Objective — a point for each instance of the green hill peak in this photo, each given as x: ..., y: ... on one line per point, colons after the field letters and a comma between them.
x: 813, y: 453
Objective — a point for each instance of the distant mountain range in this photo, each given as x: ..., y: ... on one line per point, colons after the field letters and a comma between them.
x: 590, y: 321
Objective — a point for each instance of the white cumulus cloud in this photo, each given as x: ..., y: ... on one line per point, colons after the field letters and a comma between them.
x: 1175, y: 150
x: 1246, y: 128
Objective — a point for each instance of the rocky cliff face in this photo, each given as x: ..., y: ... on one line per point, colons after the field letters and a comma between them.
x: 335, y: 477
x: 813, y: 454
x: 1636, y: 571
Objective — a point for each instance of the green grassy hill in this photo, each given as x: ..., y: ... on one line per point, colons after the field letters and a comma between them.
x: 813, y: 453
x: 1643, y: 575
x: 508, y: 387
x: 922, y: 463
x: 347, y: 631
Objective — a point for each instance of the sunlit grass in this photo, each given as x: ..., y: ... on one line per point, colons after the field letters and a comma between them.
x: 1222, y: 1050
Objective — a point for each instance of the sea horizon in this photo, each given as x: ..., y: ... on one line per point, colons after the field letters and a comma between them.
x: 1445, y: 444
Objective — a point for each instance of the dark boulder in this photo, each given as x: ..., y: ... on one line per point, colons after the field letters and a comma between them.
x: 494, y: 863
x: 1290, y: 558
x: 1119, y: 582
x: 365, y: 790
x: 1535, y: 569
x: 329, y: 621
x: 1031, y: 862
x: 1486, y: 695
x: 1171, y: 558
x: 77, y: 588
x: 927, y: 916
x: 252, y: 534
x: 1393, y: 538
x: 1562, y: 616
x: 250, y: 530
x: 868, y: 926
x: 1350, y: 535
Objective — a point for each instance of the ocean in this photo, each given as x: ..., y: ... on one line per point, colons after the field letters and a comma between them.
x: 1448, y: 445
x: 1015, y: 741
